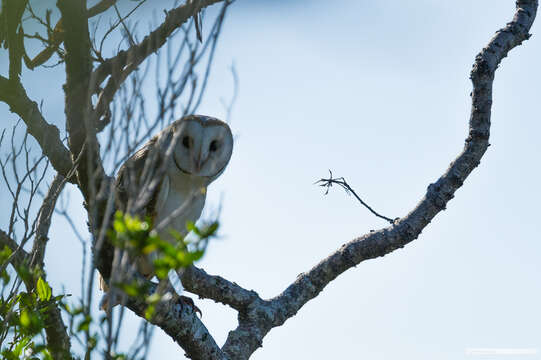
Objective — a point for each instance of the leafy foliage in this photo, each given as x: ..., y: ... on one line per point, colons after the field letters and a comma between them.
x: 23, y: 314
x: 135, y: 236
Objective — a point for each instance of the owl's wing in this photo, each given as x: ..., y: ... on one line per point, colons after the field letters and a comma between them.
x: 163, y: 194
x: 129, y: 176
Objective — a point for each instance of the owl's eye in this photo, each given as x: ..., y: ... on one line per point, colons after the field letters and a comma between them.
x: 187, y: 142
x: 213, y: 146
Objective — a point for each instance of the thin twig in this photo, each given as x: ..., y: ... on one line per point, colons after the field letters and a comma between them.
x: 328, y: 183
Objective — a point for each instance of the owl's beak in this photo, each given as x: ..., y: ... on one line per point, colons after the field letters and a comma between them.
x: 198, y: 163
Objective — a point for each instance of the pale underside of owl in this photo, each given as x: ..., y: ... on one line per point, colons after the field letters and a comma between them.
x: 189, y: 154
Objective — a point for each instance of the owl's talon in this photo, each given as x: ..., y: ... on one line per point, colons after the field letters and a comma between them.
x: 184, y: 300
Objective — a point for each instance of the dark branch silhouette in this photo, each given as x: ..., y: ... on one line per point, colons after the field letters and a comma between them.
x: 328, y: 183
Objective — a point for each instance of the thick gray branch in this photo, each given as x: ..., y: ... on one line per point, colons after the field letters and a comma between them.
x: 261, y: 316
x: 179, y: 321
x: 256, y: 316
x: 47, y: 135
x: 197, y: 281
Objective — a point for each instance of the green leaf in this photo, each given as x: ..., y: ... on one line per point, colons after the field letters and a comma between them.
x: 5, y: 253
x: 130, y: 289
x: 196, y: 255
x: 119, y: 224
x: 209, y: 230
x: 149, y: 248
x: 168, y: 249
x: 190, y: 226
x: 78, y: 310
x: 5, y: 277
x: 85, y: 324
x: 161, y: 273
x: 58, y: 298
x: 154, y: 298
x: 178, y: 236
x: 149, y: 312
x: 93, y: 341
x: 47, y: 355
x: 20, y: 346
x: 44, y: 290
x: 24, y: 272
x: 25, y: 318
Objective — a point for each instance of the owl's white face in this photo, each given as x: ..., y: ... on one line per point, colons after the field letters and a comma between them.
x: 204, y: 146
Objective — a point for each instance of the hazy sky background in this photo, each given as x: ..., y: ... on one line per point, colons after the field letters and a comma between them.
x: 377, y: 91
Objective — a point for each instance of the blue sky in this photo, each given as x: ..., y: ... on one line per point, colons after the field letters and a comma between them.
x: 377, y: 91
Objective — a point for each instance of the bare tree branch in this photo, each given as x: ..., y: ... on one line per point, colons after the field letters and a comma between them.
x: 91, y: 179
x: 217, y: 288
x: 126, y: 61
x: 12, y: 35
x: 58, y: 340
x: 44, y: 221
x: 261, y: 316
x: 47, y: 135
x: 57, y: 336
x: 56, y: 34
x: 78, y: 70
x: 328, y: 183
x: 256, y: 316
x: 181, y: 323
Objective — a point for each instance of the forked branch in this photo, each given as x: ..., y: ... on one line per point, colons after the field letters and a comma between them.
x: 257, y: 317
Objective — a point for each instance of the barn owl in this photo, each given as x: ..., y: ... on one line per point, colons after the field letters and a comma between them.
x: 193, y: 151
